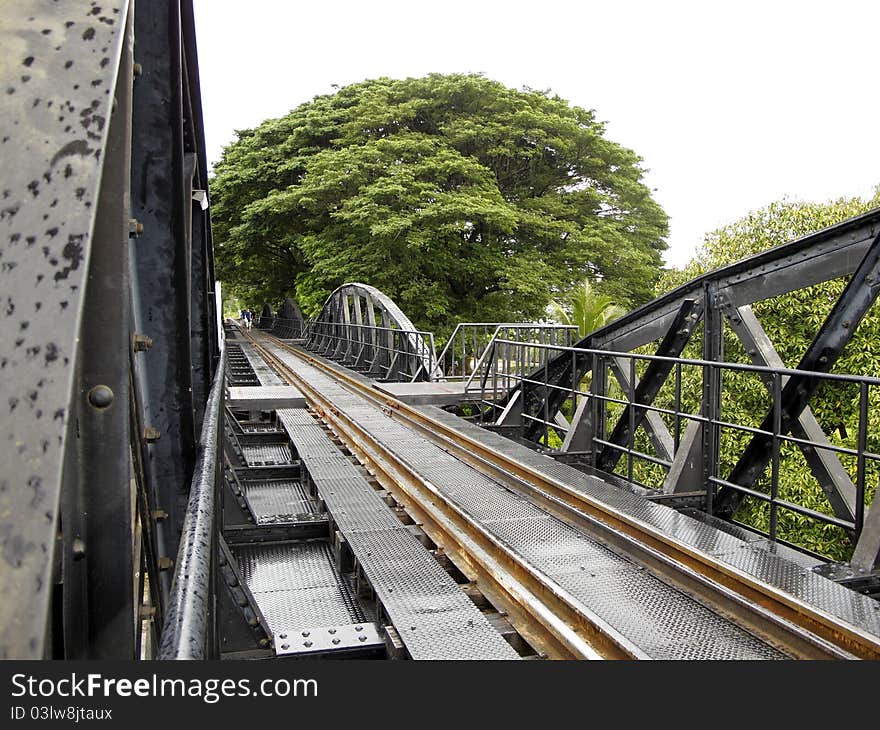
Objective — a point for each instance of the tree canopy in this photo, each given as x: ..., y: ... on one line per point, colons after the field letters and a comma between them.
x: 457, y: 196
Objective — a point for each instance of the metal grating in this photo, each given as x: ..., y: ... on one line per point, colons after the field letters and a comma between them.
x: 261, y: 369
x: 267, y: 454
x: 296, y: 584
x: 434, y: 618
x: 274, y: 501
x: 550, y: 545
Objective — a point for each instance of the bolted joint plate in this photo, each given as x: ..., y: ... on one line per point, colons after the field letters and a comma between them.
x: 327, y: 638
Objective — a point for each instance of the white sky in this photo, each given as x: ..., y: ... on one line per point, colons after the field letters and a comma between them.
x: 731, y: 105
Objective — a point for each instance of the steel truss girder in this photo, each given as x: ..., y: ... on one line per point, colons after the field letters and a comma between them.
x: 655, y: 375
x: 827, y: 346
x: 827, y: 254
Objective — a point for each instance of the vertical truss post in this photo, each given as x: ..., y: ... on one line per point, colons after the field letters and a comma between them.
x: 713, y: 352
x: 160, y: 263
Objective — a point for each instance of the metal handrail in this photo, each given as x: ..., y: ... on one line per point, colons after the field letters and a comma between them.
x: 188, y: 631
x: 495, y: 339
x: 493, y: 382
x: 459, y: 334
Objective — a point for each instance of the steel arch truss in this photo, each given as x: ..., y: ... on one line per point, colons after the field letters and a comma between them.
x: 364, y: 329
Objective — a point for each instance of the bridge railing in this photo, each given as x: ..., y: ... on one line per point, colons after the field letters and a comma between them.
x: 463, y: 352
x: 287, y: 329
x: 389, y: 353
x: 190, y: 627
x: 690, y: 440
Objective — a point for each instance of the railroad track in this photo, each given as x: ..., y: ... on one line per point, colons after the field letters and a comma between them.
x: 547, y: 615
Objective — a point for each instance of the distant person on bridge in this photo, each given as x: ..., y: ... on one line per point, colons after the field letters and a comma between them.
x: 248, y: 318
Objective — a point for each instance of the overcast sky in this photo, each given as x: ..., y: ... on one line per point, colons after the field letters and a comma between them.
x: 731, y: 105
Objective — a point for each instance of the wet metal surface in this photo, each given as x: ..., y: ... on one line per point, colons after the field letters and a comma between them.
x: 57, y: 72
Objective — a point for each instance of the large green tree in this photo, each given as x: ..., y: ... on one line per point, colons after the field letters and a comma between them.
x: 791, y: 321
x: 457, y: 196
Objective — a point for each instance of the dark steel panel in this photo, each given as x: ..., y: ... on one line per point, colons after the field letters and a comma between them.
x: 60, y: 68
x: 102, y: 496
x: 161, y: 260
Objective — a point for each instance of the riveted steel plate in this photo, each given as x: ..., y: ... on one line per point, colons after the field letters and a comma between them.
x: 323, y: 639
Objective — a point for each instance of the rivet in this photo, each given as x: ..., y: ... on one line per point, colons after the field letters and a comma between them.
x: 307, y: 644
x: 135, y: 228
x: 362, y: 638
x: 147, y: 612
x: 358, y: 628
x: 332, y: 631
x: 165, y: 563
x: 137, y: 69
x: 151, y: 434
x: 335, y: 641
x: 161, y: 514
x: 285, y: 646
x: 282, y: 636
x: 100, y: 396
x: 306, y: 633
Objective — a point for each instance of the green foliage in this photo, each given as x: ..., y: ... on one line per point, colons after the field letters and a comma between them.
x: 460, y: 198
x: 791, y: 321
x: 585, y: 308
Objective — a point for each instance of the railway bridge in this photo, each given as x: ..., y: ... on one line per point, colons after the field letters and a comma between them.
x: 177, y: 486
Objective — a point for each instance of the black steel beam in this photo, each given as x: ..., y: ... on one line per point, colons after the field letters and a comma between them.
x: 823, y: 352
x: 672, y: 345
x: 161, y: 261
x: 100, y: 606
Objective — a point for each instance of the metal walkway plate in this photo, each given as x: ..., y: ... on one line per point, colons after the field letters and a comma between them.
x: 434, y: 618
x: 265, y: 397
x: 264, y: 373
x: 274, y: 501
x: 296, y: 585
